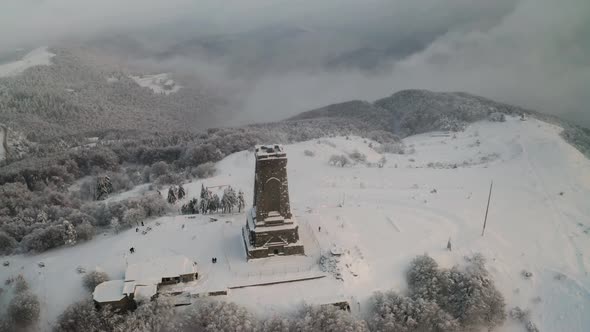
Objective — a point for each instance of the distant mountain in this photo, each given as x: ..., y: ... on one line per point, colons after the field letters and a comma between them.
x: 83, y: 91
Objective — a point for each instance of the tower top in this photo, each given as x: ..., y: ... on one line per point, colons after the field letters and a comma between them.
x: 270, y: 152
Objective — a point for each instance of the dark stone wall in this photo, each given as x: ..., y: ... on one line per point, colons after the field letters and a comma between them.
x: 290, y: 235
x: 271, y: 188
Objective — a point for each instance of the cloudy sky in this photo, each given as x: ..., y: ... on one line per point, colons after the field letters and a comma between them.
x: 534, y: 53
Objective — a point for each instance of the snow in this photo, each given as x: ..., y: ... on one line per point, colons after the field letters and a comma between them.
x: 109, y: 291
x: 37, y: 57
x: 158, y: 83
x: 378, y: 219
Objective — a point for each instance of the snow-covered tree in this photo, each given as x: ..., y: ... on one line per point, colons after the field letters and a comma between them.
x: 191, y: 207
x: 392, y: 312
x: 133, y: 217
x: 214, y: 203
x: 7, y: 243
x: 153, y: 316
x: 93, y: 279
x: 328, y: 318
x: 70, y: 235
x: 241, y: 201
x: 181, y: 192
x: 229, y: 199
x: 171, y: 195
x: 471, y: 296
x: 204, y: 205
x: 204, y: 192
x: 24, y: 309
x: 103, y: 187
x: 422, y: 278
x: 85, y: 231
x: 277, y: 324
x: 209, y: 315
x: 83, y: 316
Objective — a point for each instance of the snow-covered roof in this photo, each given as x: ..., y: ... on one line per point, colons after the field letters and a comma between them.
x: 109, y: 291
x: 145, y: 292
x: 163, y: 267
x: 270, y: 151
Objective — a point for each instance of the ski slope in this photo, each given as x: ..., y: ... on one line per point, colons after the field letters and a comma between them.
x: 539, y: 221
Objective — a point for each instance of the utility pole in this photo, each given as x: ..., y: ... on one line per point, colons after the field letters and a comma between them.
x: 487, y: 209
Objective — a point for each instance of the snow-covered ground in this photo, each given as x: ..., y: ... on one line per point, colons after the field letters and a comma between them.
x: 159, y: 83
x: 381, y: 218
x: 37, y: 57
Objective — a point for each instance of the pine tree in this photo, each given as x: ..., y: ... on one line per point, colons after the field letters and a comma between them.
x: 204, y: 192
x: 241, y: 201
x: 103, y: 187
x: 204, y: 204
x: 70, y: 235
x: 229, y: 199
x: 214, y: 203
x: 181, y: 192
x: 171, y: 196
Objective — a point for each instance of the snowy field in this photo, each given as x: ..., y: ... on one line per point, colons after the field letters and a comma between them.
x: 159, y: 83
x: 380, y: 218
x: 37, y: 57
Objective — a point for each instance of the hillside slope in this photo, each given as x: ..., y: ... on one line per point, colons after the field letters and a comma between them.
x: 381, y: 218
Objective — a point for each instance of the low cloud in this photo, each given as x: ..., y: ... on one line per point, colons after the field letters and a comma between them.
x: 534, y: 53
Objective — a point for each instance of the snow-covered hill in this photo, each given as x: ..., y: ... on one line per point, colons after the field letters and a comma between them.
x: 381, y: 218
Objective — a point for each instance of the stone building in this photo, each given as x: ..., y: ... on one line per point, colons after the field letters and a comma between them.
x: 271, y: 229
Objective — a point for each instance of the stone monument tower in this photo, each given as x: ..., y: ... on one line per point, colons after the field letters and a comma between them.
x: 271, y: 229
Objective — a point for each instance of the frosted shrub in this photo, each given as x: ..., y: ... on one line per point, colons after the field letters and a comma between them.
x: 392, y: 312
x: 328, y: 318
x: 7, y: 243
x: 497, y: 117
x: 308, y: 153
x: 24, y: 309
x: 205, y: 170
x: 523, y: 316
x: 20, y: 284
x: 357, y: 157
x: 44, y: 239
x: 93, y: 279
x: 209, y: 315
x: 339, y: 160
x: 85, y: 231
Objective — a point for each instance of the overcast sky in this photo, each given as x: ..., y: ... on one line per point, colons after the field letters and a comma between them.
x: 535, y: 53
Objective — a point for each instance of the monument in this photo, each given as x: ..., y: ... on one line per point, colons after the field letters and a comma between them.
x: 271, y: 228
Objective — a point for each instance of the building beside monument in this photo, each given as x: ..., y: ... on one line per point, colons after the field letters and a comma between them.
x: 271, y: 228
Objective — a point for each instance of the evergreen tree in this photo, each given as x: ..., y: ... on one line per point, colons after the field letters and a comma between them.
x: 70, y: 235
x: 171, y: 196
x: 229, y: 199
x: 103, y: 187
x: 181, y: 192
x: 241, y: 201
